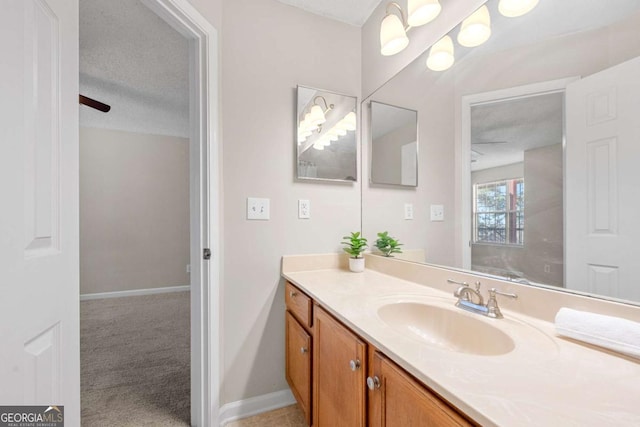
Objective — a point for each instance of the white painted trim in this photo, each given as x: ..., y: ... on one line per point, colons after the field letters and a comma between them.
x: 255, y: 405
x: 134, y: 292
x: 468, y: 101
x: 205, y: 204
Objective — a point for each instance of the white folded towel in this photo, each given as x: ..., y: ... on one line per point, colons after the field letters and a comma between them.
x: 614, y: 333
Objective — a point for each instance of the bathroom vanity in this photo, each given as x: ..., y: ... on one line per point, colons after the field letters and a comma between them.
x: 388, y: 347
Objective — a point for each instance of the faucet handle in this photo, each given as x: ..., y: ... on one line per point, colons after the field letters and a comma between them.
x: 494, y: 291
x: 455, y: 282
x: 492, y: 304
x: 478, y: 285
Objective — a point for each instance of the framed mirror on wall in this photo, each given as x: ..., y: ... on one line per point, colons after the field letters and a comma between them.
x: 393, y: 145
x: 326, y: 129
x: 527, y: 143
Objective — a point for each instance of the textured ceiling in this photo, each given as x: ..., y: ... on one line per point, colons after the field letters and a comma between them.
x: 135, y: 62
x: 502, y: 131
x: 354, y: 12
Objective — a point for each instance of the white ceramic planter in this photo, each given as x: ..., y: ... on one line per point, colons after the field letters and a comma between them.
x: 356, y: 265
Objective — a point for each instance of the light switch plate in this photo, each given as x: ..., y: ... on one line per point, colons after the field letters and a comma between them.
x: 408, y: 211
x: 437, y: 213
x: 304, y: 209
x: 257, y: 208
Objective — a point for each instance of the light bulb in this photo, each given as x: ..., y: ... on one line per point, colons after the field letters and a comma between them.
x: 422, y: 11
x: 318, y: 146
x: 441, y: 55
x: 332, y: 136
x: 349, y: 121
x: 393, y: 37
x: 476, y: 29
x: 514, y: 8
x: 316, y: 116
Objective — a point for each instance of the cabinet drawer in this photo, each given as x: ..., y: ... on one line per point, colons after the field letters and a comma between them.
x: 299, y: 304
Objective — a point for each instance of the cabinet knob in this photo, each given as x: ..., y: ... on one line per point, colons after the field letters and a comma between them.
x: 303, y: 350
x: 354, y: 364
x: 373, y: 383
x: 293, y: 294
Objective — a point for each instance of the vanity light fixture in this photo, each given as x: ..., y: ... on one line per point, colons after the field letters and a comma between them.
x: 476, y: 29
x: 422, y: 11
x: 441, y: 55
x: 393, y: 30
x: 515, y: 8
x: 314, y: 119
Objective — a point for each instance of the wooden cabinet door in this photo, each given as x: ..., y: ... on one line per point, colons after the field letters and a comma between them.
x: 338, y: 374
x: 298, y: 364
x: 401, y: 401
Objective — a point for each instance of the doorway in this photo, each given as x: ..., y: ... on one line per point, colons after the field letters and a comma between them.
x: 202, y: 188
x: 512, y: 182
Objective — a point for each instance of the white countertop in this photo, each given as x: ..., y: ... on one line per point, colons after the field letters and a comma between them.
x: 544, y: 381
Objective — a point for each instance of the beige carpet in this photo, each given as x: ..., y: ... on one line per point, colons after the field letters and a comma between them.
x: 135, y: 354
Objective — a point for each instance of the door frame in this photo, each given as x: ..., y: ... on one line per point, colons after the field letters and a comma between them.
x: 205, y: 191
x: 464, y: 148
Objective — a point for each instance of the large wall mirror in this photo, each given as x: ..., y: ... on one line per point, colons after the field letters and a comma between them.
x: 529, y: 142
x: 326, y: 129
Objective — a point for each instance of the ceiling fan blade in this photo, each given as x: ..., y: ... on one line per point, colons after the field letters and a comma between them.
x: 93, y: 104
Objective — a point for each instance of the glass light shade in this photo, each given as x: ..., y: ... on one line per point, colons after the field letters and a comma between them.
x: 476, y: 29
x: 316, y: 116
x: 422, y: 11
x: 349, y: 121
x: 514, y: 8
x: 332, y: 136
x: 304, y: 132
x: 393, y: 38
x: 339, y: 131
x: 441, y: 55
x: 318, y: 146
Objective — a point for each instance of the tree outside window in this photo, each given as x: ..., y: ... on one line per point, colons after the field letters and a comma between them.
x: 499, y: 212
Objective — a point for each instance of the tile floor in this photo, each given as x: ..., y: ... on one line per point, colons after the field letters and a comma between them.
x: 289, y: 416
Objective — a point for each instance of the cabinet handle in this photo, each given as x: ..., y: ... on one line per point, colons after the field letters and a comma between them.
x: 303, y: 350
x: 293, y: 294
x: 354, y: 364
x: 373, y: 383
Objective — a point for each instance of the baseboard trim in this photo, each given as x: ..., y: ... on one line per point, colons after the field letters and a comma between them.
x: 255, y: 405
x: 134, y: 292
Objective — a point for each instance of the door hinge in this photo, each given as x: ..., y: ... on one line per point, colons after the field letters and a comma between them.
x: 206, y: 253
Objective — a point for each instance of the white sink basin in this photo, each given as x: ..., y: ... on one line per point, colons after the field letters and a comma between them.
x: 449, y: 329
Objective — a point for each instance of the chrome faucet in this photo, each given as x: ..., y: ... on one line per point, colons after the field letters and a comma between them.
x: 466, y: 296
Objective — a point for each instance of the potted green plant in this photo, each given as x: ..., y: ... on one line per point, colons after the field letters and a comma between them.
x: 355, y: 245
x: 387, y: 244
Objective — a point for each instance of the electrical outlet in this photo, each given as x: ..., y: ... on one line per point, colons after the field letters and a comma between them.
x: 408, y: 211
x: 437, y: 213
x: 547, y: 268
x: 257, y: 208
x: 304, y: 209
x: 188, y: 268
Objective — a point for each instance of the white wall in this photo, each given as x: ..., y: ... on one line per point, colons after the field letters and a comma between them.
x: 267, y: 49
x: 134, y: 211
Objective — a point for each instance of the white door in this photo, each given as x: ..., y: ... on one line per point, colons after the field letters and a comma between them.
x: 39, y: 331
x: 602, y: 173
